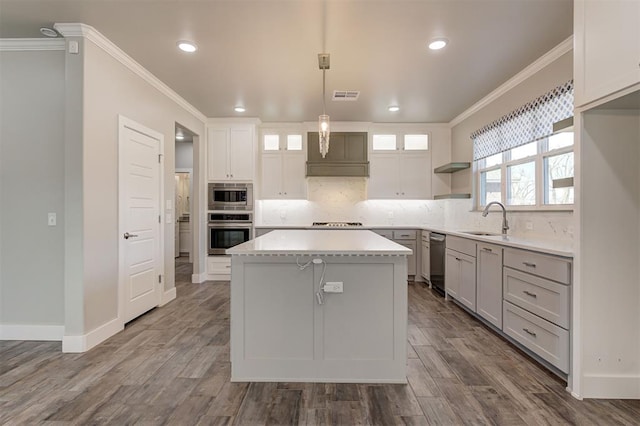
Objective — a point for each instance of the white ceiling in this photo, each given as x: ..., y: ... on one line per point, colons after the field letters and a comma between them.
x: 262, y: 54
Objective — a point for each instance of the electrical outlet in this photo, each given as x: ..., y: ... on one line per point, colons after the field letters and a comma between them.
x: 333, y: 287
x: 283, y: 214
x: 390, y: 215
x: 51, y: 219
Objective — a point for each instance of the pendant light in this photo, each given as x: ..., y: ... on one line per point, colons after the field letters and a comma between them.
x: 324, y: 129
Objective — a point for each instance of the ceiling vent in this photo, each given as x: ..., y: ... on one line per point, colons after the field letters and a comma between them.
x: 345, y: 95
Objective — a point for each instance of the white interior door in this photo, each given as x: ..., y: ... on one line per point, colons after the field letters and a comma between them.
x: 140, y: 186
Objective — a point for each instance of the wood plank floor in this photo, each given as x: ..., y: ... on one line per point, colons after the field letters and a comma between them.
x: 171, y: 366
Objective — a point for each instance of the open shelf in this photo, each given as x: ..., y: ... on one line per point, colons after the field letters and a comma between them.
x: 452, y: 167
x: 451, y: 196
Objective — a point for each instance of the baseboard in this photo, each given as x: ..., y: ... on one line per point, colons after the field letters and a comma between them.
x: 611, y: 387
x: 168, y: 296
x: 199, y: 278
x: 31, y: 332
x: 82, y: 343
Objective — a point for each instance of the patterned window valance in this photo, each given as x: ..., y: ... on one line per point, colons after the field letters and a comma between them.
x: 526, y: 124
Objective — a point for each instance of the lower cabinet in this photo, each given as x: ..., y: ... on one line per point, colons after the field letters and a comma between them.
x: 460, y: 271
x: 406, y: 238
x: 425, y: 269
x: 489, y: 283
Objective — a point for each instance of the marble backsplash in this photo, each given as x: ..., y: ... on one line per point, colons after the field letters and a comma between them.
x: 345, y: 199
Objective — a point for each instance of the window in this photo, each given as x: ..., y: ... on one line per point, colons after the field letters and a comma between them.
x: 384, y: 142
x: 520, y: 161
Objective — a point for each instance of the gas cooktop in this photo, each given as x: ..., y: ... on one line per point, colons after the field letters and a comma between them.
x: 337, y: 224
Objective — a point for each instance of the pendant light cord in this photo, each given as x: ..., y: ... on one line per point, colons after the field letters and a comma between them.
x: 324, y: 105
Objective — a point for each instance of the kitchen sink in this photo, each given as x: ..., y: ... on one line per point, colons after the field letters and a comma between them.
x: 481, y: 233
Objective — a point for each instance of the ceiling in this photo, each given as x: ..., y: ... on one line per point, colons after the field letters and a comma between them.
x: 262, y: 54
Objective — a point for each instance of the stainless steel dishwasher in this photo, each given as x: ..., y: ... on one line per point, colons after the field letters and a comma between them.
x: 436, y: 258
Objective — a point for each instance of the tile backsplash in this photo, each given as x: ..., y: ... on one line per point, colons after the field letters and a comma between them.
x: 344, y: 199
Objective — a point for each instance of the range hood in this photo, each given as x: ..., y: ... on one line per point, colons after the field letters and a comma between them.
x: 347, y: 155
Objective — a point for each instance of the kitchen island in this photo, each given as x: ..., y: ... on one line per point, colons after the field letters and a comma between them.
x: 319, y: 306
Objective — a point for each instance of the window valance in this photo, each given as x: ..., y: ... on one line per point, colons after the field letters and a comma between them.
x: 530, y: 122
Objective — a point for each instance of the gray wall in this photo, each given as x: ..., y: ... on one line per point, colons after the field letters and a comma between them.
x: 111, y: 89
x: 558, y: 72
x: 31, y: 185
x: 184, y: 155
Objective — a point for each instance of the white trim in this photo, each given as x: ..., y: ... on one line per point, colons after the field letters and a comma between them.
x: 198, y: 278
x: 31, y: 332
x: 611, y: 386
x: 233, y: 120
x: 91, y: 34
x: 31, y: 44
x: 82, y: 343
x: 565, y: 47
x: 126, y: 123
x: 168, y: 296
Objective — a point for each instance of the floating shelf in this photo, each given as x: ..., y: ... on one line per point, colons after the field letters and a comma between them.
x: 451, y: 167
x: 451, y: 196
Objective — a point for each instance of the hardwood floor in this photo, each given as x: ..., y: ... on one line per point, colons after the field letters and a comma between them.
x: 171, y: 366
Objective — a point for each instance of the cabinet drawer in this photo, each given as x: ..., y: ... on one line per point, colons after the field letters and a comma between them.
x: 542, y: 297
x: 462, y: 245
x: 404, y: 235
x: 546, y: 266
x: 387, y: 233
x: 548, y: 341
x: 219, y: 265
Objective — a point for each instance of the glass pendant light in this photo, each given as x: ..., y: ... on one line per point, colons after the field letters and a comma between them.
x: 324, y: 128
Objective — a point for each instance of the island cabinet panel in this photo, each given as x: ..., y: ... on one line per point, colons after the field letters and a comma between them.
x: 278, y: 312
x: 280, y: 332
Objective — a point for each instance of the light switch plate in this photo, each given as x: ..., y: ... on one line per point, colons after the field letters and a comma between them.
x: 333, y: 287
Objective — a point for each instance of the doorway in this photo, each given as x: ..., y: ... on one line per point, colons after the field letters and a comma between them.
x: 184, y: 194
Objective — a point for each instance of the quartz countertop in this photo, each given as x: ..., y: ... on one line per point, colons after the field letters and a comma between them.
x: 337, y: 242
x: 557, y: 248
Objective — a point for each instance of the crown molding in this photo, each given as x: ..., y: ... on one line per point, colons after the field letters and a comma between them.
x: 91, y: 34
x: 233, y: 120
x: 30, y: 44
x: 546, y: 59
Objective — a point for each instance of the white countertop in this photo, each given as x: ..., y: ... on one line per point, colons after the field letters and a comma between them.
x: 557, y: 248
x: 321, y: 242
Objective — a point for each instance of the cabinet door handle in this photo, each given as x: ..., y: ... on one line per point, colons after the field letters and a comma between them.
x: 529, y: 332
x: 530, y: 294
x: 128, y: 235
x: 529, y: 264
x: 458, y: 259
x: 487, y: 249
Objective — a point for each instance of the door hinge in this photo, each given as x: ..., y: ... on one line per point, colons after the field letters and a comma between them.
x: 160, y: 278
x: 159, y: 158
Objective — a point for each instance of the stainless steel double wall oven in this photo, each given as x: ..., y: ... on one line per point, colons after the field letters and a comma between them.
x: 230, y: 217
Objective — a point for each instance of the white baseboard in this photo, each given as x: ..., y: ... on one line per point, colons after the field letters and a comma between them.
x: 611, y: 387
x: 76, y: 344
x: 31, y: 332
x: 199, y: 278
x: 168, y: 296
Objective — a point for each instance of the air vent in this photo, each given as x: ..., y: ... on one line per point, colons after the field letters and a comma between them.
x: 345, y: 95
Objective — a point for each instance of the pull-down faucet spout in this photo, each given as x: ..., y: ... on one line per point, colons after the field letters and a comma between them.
x: 505, y: 224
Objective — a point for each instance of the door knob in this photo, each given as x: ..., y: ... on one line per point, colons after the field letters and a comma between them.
x: 128, y: 235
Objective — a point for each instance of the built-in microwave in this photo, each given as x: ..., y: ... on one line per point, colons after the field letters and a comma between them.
x: 230, y: 196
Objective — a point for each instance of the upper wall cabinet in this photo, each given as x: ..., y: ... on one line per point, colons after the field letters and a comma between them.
x: 607, y: 48
x: 400, y: 167
x: 347, y: 155
x: 283, y: 165
x: 230, y: 153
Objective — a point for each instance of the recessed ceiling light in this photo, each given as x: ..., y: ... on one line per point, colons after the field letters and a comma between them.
x: 180, y: 137
x: 394, y: 108
x: 438, y: 43
x: 187, y: 46
x: 239, y: 109
x: 48, y: 32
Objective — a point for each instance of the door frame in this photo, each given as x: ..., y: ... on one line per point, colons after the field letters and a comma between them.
x: 123, y: 124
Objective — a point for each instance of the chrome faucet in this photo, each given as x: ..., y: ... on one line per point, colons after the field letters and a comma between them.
x: 505, y: 224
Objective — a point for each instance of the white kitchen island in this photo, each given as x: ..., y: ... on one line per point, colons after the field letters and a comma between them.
x: 287, y: 326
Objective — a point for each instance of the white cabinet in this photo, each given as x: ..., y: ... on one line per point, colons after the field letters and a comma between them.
x: 399, y: 175
x: 283, y: 175
x: 489, y: 283
x: 407, y: 238
x: 185, y: 239
x: 460, y: 271
x: 607, y: 48
x: 230, y: 153
x: 425, y: 271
